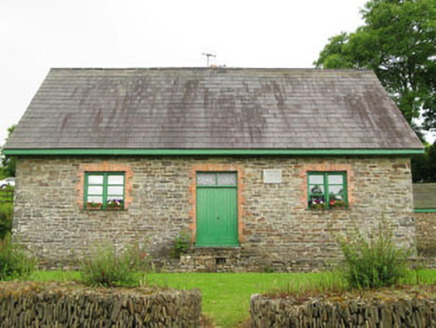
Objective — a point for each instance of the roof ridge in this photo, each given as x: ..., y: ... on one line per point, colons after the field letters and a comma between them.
x: 312, y: 69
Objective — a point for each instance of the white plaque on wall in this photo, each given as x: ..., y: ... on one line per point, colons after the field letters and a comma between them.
x: 272, y: 176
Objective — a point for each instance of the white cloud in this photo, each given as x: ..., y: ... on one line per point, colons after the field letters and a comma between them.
x: 38, y: 35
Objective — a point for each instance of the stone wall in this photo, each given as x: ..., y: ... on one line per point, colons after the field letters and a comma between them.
x: 69, y: 305
x: 425, y: 234
x: 386, y: 311
x: 277, y: 231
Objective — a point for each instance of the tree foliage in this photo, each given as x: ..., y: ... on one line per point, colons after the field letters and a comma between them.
x: 9, y: 162
x: 424, y: 166
x: 397, y: 42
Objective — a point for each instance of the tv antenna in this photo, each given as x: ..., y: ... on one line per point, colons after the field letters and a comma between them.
x: 208, y: 55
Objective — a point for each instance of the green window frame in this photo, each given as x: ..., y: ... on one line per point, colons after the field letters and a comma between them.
x: 104, y: 190
x: 326, y: 190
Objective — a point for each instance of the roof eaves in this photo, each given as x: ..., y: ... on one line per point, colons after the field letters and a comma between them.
x: 266, y: 152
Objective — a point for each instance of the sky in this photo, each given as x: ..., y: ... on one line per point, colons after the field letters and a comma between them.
x: 38, y: 35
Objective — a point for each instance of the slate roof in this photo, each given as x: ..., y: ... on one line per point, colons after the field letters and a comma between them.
x: 207, y: 108
x: 424, y: 195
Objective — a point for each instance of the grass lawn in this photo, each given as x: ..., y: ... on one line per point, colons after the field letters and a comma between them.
x: 226, y: 296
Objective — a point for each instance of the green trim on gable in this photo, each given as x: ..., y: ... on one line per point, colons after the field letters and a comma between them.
x: 151, y: 152
x: 425, y: 210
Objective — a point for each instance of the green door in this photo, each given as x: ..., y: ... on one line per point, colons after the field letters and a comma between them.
x: 217, y: 209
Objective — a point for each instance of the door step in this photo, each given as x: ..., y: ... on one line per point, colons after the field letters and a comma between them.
x: 213, y: 260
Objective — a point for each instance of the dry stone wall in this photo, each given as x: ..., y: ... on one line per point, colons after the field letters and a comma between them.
x: 65, y: 305
x: 278, y: 231
x: 354, y: 313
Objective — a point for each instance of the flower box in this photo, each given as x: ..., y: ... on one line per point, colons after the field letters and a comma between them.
x: 318, y: 206
x: 114, y: 206
x: 93, y: 206
x: 340, y: 204
x: 337, y: 204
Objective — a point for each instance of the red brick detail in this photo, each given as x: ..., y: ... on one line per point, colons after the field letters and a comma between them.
x: 331, y: 168
x: 105, y: 167
x: 193, y: 191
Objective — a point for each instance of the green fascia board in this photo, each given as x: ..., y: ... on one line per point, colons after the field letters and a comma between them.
x: 151, y: 152
x: 425, y: 210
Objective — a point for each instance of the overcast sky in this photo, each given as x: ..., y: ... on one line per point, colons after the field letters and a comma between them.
x: 38, y: 35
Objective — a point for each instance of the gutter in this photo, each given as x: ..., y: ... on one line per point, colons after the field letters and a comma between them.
x: 213, y: 151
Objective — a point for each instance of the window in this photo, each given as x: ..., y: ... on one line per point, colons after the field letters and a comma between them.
x: 104, y: 191
x: 327, y: 190
x: 216, y: 179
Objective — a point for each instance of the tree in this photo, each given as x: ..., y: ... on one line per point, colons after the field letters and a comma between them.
x: 424, y: 166
x: 397, y: 42
x: 9, y: 162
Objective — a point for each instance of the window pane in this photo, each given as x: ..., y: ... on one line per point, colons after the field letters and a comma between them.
x: 317, y: 189
x: 95, y: 190
x: 336, y: 179
x: 115, y: 190
x: 95, y: 199
x: 95, y: 179
x: 206, y: 179
x: 316, y: 179
x: 116, y: 179
x: 336, y: 186
x: 336, y: 189
x: 334, y: 197
x: 227, y: 179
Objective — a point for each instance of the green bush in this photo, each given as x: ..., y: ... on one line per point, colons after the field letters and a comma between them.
x: 105, y: 267
x: 181, y: 245
x: 15, y: 261
x: 6, y: 215
x: 375, y: 261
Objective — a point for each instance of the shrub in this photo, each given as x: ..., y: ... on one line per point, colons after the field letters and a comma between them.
x: 6, y: 215
x: 15, y: 261
x: 181, y: 245
x: 105, y: 267
x: 375, y: 261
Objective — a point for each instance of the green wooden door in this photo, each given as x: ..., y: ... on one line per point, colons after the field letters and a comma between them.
x: 217, y: 210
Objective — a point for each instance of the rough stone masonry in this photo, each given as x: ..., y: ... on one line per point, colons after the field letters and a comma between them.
x: 276, y: 228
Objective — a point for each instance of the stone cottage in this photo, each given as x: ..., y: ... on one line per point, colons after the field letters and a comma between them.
x: 262, y: 168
